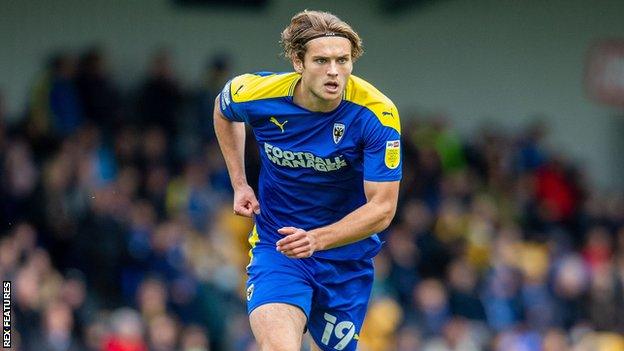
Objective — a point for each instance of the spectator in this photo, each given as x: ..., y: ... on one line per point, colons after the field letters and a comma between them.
x: 463, y: 291
x: 218, y: 70
x: 98, y: 95
x: 163, y: 333
x: 531, y: 155
x: 57, y: 330
x: 127, y: 332
x: 55, y: 108
x: 379, y: 330
x: 570, y: 285
x: 19, y: 181
x: 403, y: 270
x: 160, y: 95
x: 194, y: 338
x: 432, y: 307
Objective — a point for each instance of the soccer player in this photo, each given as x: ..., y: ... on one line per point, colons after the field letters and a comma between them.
x: 330, y: 168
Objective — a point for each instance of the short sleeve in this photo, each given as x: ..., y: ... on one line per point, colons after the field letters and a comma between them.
x: 231, y: 110
x: 382, y: 151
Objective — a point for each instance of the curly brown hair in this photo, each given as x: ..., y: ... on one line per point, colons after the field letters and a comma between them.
x: 307, y: 25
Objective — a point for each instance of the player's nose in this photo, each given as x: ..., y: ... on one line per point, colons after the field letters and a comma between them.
x: 332, y: 70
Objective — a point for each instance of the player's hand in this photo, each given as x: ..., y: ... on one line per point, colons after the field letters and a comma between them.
x: 245, y: 202
x: 297, y: 243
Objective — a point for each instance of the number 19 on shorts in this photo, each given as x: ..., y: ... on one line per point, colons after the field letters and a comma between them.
x: 344, y: 331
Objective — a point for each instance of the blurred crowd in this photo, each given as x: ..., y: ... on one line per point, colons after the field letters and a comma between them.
x: 117, y: 232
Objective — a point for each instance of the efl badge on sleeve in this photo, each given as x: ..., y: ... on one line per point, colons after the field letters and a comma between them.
x: 338, y: 132
x: 393, y: 154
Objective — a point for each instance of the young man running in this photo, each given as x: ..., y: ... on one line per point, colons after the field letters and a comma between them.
x: 331, y: 164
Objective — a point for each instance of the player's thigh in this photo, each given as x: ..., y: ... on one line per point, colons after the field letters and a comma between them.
x: 313, y: 346
x: 278, y: 326
x: 309, y: 343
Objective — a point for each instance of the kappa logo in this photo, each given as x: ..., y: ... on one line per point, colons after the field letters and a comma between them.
x: 386, y: 113
x: 339, y: 130
x: 277, y: 123
x: 250, y: 291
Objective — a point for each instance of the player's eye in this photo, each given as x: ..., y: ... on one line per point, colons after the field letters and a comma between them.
x: 342, y: 60
x: 320, y: 60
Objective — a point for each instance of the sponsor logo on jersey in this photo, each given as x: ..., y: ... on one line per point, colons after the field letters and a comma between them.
x: 338, y: 132
x: 298, y: 159
x: 277, y: 123
x: 393, y: 154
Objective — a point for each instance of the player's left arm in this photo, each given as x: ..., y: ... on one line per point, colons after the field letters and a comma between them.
x: 370, y: 218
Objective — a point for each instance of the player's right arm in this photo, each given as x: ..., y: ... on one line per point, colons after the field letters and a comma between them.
x: 231, y: 137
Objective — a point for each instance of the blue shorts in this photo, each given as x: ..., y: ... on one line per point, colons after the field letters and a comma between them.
x: 333, y: 294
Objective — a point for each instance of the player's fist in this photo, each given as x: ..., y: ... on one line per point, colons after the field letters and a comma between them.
x: 297, y: 243
x: 245, y: 202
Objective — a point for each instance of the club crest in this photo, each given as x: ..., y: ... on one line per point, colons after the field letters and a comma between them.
x: 250, y: 291
x: 338, y: 132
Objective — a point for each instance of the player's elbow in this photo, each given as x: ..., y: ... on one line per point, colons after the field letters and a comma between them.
x: 219, y: 120
x: 386, y: 214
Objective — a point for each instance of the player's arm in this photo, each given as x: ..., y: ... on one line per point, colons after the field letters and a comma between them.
x: 231, y: 137
x: 370, y: 218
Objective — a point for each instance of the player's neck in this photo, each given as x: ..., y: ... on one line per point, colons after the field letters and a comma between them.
x: 305, y: 98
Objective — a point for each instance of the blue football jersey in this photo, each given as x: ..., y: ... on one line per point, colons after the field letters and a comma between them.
x: 313, y: 164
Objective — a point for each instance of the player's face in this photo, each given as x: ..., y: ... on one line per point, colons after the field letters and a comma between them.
x: 326, y: 69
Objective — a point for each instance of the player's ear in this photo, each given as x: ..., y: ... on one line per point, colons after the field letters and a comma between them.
x: 297, y: 64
